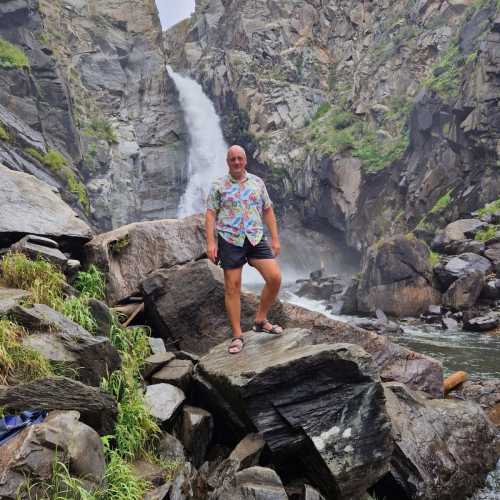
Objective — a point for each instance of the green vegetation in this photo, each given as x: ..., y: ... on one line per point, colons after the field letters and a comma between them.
x: 12, y: 57
x: 442, y: 203
x: 322, y: 109
x: 91, y: 283
x: 56, y: 162
x: 119, y: 245
x: 489, y: 208
x: 4, y: 135
x: 446, y: 73
x: 19, y: 363
x: 102, y: 129
x: 486, y: 234
x: 433, y: 258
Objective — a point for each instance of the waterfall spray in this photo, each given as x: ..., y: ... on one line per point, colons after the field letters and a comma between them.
x: 207, y: 150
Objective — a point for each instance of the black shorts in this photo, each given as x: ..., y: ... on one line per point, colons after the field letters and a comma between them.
x: 233, y: 257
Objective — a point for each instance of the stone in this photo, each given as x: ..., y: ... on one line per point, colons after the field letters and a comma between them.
x: 444, y: 448
x: 177, y: 372
x: 159, y: 493
x: 196, y: 431
x: 464, y: 292
x: 102, y: 315
x: 345, y: 455
x: 59, y: 339
x: 147, y: 471
x: 449, y: 323
x: 482, y: 323
x: 35, y: 248
x: 458, y: 247
x: 492, y: 252
x: 32, y: 452
x: 163, y: 401
x: 460, y: 266
x: 11, y: 297
x: 463, y: 228
x: 171, y: 449
x: 396, y: 278
x: 97, y: 408
x: 491, y: 289
x: 33, y: 207
x: 349, y: 298
x: 120, y: 253
x: 154, y: 362
x: 157, y: 345
x: 248, y: 450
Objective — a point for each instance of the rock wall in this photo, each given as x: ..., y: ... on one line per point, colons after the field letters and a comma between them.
x: 374, y: 118
x: 96, y: 91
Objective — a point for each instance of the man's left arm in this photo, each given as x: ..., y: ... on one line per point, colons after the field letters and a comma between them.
x: 270, y: 221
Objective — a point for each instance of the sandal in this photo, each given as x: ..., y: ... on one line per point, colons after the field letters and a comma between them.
x: 260, y: 326
x: 235, y: 346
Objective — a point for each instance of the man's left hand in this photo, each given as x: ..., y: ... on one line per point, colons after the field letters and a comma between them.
x: 275, y: 247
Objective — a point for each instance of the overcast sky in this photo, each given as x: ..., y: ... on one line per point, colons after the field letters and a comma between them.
x: 173, y: 11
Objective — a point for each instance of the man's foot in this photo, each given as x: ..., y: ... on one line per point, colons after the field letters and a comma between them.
x: 235, y: 346
x: 267, y: 327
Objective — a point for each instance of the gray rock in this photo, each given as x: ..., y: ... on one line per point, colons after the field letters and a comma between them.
x: 248, y: 450
x: 464, y: 292
x: 163, y: 401
x: 102, y: 315
x: 177, y: 372
x: 120, y: 253
x: 196, y: 432
x: 460, y: 266
x: 32, y: 452
x: 491, y: 289
x: 449, y: 323
x: 97, y: 409
x: 444, y: 448
x: 463, y: 228
x: 156, y: 361
x: 482, y: 323
x: 157, y: 345
x: 61, y: 340
x: 171, y: 449
x: 158, y: 493
x: 33, y: 207
x: 145, y: 470
x: 492, y: 252
x: 36, y: 248
x: 269, y: 387
x: 10, y: 298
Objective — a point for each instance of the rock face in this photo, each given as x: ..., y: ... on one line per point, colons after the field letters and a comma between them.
x: 397, y: 278
x: 444, y: 448
x: 30, y: 206
x: 128, y: 254
x: 342, y: 450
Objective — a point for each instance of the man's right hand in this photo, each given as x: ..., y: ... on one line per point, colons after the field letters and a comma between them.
x: 212, y: 252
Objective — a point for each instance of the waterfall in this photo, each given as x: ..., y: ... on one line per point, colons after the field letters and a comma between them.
x: 207, y: 150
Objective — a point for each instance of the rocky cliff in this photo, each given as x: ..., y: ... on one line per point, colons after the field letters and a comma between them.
x: 371, y: 117
x: 86, y: 105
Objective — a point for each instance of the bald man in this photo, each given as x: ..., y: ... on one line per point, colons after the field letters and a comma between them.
x: 238, y: 207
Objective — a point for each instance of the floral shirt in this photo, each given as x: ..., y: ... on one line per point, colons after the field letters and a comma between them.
x: 238, y: 207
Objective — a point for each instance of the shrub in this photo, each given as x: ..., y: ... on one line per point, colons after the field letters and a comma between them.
x: 433, y: 258
x: 12, y: 57
x: 322, y: 110
x: 486, y: 234
x: 489, y: 208
x: 101, y: 129
x: 446, y: 75
x: 442, y: 203
x: 4, y: 135
x: 91, y: 283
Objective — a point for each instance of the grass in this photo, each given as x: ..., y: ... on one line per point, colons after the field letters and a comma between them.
x: 119, y: 245
x: 12, y: 57
x: 19, y: 363
x: 486, y: 234
x: 446, y: 73
x: 442, y: 203
x: 489, y: 208
x: 101, y: 129
x: 4, y: 135
x: 434, y: 258
x: 91, y: 283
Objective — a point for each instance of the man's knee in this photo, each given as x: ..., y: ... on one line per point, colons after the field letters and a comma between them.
x: 274, y: 279
x: 232, y: 286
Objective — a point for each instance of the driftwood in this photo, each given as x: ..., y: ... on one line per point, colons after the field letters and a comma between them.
x: 138, y: 309
x: 453, y: 380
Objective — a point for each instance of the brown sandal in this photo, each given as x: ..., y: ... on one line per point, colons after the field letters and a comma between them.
x: 259, y: 326
x: 236, y: 345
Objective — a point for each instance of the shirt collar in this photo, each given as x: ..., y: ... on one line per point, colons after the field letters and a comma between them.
x: 232, y: 179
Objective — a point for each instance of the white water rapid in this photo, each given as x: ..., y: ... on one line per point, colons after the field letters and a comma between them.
x: 207, y: 150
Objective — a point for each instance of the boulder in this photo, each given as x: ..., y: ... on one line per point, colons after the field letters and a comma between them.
x: 154, y: 362
x: 128, y: 254
x: 61, y: 340
x: 97, y: 409
x: 459, y: 266
x: 171, y: 449
x: 32, y: 454
x: 482, y: 323
x: 163, y: 401
x: 30, y: 206
x: 462, y: 229
x: 464, y: 292
x: 491, y: 289
x: 102, y: 315
x: 196, y: 431
x: 397, y: 278
x: 248, y: 450
x: 177, y: 372
x: 492, y: 252
x: 269, y: 387
x: 35, y: 247
x: 11, y: 297
x: 444, y: 449
x: 458, y: 247
x: 157, y: 345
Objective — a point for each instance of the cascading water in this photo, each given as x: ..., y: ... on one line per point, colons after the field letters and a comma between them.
x: 207, y: 150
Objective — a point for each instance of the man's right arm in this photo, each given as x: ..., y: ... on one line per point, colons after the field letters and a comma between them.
x: 210, y: 234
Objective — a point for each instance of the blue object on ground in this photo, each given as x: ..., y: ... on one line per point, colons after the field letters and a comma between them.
x: 10, y: 425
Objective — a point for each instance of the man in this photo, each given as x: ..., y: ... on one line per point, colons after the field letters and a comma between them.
x: 237, y: 206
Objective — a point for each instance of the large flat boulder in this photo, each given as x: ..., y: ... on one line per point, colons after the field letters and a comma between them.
x: 397, y: 278
x: 128, y: 254
x: 318, y: 407
x: 30, y: 206
x: 186, y: 306
x: 444, y: 448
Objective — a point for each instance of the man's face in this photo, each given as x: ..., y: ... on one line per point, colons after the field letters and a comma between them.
x: 237, y: 162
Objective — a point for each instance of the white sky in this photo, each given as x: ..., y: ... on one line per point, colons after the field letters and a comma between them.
x: 173, y: 11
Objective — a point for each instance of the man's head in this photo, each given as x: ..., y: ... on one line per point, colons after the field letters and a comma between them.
x: 237, y: 161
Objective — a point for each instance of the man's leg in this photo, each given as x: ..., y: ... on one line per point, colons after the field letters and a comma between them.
x: 232, y: 292
x: 270, y: 271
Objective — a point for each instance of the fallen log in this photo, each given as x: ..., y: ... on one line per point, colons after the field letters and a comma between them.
x: 139, y: 308
x: 453, y: 380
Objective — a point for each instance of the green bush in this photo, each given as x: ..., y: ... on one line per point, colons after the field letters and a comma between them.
x: 442, y: 203
x: 4, y: 135
x: 91, y: 283
x: 322, y: 110
x: 446, y: 73
x: 12, y: 57
x: 101, y: 128
x: 486, y: 234
x: 489, y: 208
